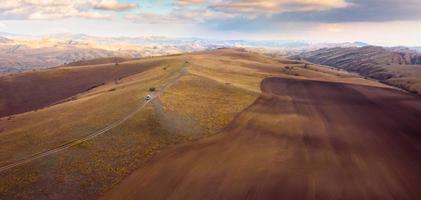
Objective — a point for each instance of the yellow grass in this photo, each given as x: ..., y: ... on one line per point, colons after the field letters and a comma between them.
x: 46, y: 128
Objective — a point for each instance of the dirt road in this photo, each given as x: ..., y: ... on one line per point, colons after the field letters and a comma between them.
x: 299, y: 140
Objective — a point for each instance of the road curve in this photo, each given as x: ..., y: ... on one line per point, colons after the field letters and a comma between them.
x: 96, y: 132
x: 300, y: 140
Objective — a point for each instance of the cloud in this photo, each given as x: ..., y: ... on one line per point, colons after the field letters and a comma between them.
x: 179, y: 16
x: 360, y: 11
x: 231, y: 15
x: 333, y: 28
x: 275, y: 13
x: 233, y: 9
x: 189, y: 2
x: 59, y: 9
x: 114, y: 5
x: 250, y: 9
x: 273, y: 19
x: 152, y: 18
x: 2, y: 25
x: 276, y: 6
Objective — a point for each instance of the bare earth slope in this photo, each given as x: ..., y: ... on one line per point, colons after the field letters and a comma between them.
x: 301, y: 139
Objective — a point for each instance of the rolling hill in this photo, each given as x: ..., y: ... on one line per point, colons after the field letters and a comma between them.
x: 33, y: 90
x: 225, y: 123
x: 400, y: 67
x: 301, y: 139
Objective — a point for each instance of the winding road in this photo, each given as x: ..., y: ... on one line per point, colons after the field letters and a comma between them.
x: 96, y: 132
x: 301, y: 139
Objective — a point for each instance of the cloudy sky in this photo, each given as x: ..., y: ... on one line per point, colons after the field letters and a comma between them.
x: 382, y: 22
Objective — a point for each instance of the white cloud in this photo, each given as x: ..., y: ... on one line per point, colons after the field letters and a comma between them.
x: 2, y: 25
x: 114, y: 5
x: 59, y: 9
x: 229, y: 9
x: 276, y: 6
x: 152, y: 18
x: 189, y: 2
x: 179, y: 16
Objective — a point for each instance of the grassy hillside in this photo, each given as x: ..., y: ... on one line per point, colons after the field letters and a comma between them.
x: 209, y: 89
x: 98, y: 61
x: 401, y: 69
x: 34, y: 90
x: 406, y: 77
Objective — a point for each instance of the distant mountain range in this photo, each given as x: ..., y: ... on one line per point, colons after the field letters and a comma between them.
x: 20, y: 52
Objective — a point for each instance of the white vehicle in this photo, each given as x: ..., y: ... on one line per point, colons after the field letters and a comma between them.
x: 148, y: 97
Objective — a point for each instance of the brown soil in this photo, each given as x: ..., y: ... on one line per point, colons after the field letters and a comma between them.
x: 301, y: 139
x: 34, y: 90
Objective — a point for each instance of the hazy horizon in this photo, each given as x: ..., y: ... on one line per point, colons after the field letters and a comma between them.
x: 380, y: 22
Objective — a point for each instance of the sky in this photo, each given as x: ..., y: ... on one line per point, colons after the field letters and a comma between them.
x: 379, y: 22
